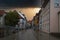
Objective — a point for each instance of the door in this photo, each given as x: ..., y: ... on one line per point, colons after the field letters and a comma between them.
x: 59, y: 23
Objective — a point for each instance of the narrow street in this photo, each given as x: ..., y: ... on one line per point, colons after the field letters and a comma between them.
x: 29, y: 19
x: 26, y: 35
x: 30, y: 35
x: 22, y: 35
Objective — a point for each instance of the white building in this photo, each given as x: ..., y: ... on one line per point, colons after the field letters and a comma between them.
x: 50, y: 17
x: 22, y: 20
x: 2, y: 15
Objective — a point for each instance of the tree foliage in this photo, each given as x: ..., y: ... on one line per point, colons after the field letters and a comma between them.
x: 11, y: 18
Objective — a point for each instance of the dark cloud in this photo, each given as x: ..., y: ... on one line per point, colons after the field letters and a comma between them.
x: 19, y: 3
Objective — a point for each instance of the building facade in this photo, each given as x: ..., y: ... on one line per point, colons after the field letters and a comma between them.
x: 49, y: 16
x: 22, y: 20
x: 2, y: 20
x: 35, y: 22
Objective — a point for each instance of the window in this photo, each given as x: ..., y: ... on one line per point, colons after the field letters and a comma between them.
x: 56, y: 3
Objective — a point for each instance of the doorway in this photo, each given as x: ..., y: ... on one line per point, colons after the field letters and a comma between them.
x: 59, y: 22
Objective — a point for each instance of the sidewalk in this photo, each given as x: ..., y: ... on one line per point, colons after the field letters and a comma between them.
x: 44, y: 36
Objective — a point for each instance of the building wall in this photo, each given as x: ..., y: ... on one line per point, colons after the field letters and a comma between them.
x: 45, y: 18
x: 53, y: 17
x: 49, y: 16
x: 2, y: 22
x: 40, y: 22
x: 59, y: 22
x: 22, y: 23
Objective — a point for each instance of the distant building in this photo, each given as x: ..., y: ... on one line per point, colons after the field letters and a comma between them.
x: 35, y: 21
x: 49, y: 17
x: 22, y: 20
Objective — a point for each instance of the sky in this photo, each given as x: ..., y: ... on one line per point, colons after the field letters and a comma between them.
x: 28, y: 7
x: 29, y: 12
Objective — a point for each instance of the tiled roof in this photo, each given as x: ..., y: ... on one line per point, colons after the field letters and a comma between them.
x: 2, y: 12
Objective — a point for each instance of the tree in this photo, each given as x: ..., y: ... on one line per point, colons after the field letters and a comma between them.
x: 11, y: 18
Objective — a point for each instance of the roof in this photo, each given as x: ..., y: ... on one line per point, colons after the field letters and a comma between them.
x: 21, y: 15
x: 2, y: 12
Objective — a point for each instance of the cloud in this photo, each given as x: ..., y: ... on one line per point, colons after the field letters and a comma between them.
x: 20, y: 3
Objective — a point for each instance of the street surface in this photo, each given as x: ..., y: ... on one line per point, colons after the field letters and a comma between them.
x: 30, y: 34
